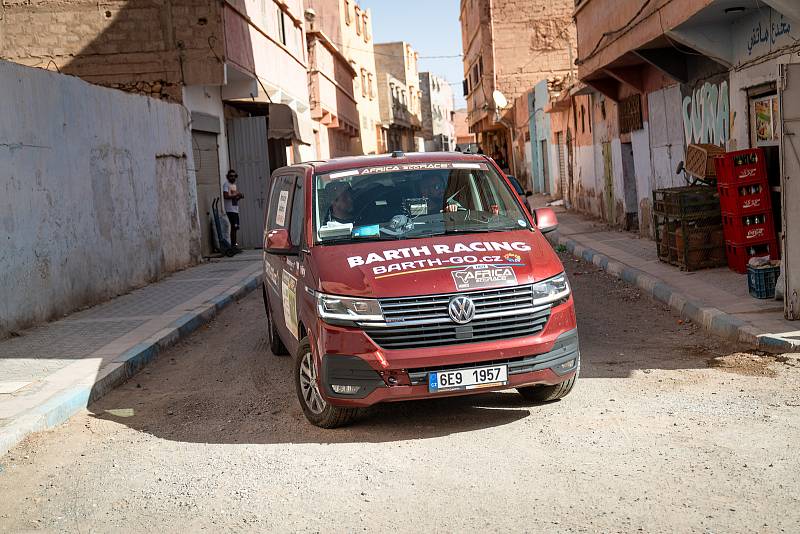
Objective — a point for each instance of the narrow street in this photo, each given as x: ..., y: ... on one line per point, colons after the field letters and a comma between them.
x: 669, y: 429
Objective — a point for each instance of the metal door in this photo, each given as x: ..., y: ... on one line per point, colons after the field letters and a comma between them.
x: 562, y: 172
x: 790, y: 187
x: 206, y: 172
x: 667, y: 144
x: 629, y: 184
x: 608, y: 186
x: 249, y: 155
x: 545, y: 166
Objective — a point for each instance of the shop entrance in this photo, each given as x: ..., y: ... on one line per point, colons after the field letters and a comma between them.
x: 765, y: 125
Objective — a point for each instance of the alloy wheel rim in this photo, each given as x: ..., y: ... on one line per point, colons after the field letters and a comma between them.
x: 308, y: 385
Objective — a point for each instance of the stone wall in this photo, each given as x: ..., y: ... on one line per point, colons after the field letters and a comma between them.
x: 97, y: 195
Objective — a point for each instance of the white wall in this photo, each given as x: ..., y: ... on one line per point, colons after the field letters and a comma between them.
x: 97, y: 193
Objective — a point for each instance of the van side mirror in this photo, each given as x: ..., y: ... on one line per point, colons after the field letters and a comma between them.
x: 546, y: 220
x: 278, y: 242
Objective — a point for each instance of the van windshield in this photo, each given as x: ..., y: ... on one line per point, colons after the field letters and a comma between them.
x: 412, y: 200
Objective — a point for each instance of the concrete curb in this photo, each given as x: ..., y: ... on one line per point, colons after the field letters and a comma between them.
x: 65, y: 403
x: 712, y: 319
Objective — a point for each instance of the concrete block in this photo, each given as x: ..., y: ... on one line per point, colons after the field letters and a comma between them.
x: 726, y: 325
x: 662, y: 292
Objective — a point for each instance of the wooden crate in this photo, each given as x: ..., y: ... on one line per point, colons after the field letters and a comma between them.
x: 700, y: 160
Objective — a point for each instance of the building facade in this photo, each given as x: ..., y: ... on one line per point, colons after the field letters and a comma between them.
x: 509, y: 46
x: 466, y: 141
x: 400, y: 96
x: 437, y: 104
x: 238, y: 66
x: 682, y: 72
x: 333, y: 104
x: 348, y: 26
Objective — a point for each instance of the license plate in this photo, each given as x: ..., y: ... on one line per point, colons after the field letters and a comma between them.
x: 472, y: 378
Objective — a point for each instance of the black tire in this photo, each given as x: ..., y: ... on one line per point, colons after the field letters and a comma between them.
x: 549, y: 393
x: 276, y: 346
x: 318, y: 411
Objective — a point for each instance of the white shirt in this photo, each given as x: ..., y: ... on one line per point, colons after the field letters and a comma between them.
x: 228, y: 187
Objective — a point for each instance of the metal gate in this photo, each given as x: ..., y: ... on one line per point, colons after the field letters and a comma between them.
x: 249, y: 155
x: 206, y: 171
x: 790, y: 187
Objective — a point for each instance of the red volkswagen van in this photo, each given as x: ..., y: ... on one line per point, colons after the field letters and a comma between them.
x: 413, y: 276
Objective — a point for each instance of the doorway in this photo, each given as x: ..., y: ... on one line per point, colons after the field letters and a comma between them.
x: 249, y: 155
x: 206, y: 172
x: 545, y: 167
x: 629, y: 184
x: 608, y: 183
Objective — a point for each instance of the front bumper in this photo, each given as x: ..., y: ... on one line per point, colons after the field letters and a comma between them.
x: 390, y: 383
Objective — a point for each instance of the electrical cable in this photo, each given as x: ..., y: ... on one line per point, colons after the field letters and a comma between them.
x: 609, y: 33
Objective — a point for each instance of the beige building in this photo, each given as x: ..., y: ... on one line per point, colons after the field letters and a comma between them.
x: 465, y: 140
x: 400, y: 96
x: 509, y: 46
x: 349, y: 28
x: 437, y: 113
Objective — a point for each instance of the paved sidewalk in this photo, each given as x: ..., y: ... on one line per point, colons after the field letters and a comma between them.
x: 51, y: 371
x: 716, y: 298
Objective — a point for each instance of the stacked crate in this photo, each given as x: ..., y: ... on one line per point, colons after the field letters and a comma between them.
x: 744, y: 196
x: 688, y: 227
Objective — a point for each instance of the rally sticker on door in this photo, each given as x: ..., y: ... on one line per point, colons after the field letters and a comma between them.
x: 280, y: 213
x: 483, y: 277
x: 289, y: 297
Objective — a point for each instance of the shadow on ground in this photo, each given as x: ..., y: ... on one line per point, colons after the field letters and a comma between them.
x: 222, y: 385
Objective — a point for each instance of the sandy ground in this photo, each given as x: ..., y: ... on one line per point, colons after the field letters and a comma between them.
x: 668, y: 429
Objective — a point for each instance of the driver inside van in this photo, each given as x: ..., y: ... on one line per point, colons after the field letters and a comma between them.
x: 341, y: 198
x: 433, y: 189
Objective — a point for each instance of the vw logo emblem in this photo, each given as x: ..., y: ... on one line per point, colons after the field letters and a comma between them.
x: 461, y: 309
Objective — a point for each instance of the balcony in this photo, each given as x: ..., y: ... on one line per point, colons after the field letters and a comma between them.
x: 608, y: 29
x: 330, y: 82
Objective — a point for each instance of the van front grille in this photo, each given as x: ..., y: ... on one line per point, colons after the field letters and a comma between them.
x: 424, y: 321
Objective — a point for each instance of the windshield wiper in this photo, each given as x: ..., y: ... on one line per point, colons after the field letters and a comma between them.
x: 351, y: 240
x: 482, y: 229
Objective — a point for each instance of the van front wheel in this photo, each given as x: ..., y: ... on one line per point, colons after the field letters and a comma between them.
x: 548, y: 393
x: 317, y: 410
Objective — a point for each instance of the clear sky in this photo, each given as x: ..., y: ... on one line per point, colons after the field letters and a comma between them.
x: 431, y: 27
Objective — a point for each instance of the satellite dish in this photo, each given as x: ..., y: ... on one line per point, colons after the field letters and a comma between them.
x: 499, y: 99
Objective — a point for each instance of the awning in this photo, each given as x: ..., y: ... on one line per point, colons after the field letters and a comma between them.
x: 283, y: 122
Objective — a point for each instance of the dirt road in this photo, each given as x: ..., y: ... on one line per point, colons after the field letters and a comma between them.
x: 667, y: 430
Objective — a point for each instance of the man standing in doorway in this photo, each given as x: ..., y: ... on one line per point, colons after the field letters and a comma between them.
x: 232, y: 197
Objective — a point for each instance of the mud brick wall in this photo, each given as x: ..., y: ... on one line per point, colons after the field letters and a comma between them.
x: 531, y: 42
x: 144, y: 46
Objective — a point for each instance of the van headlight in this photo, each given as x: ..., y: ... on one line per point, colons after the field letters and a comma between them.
x: 554, y: 290
x: 347, y: 310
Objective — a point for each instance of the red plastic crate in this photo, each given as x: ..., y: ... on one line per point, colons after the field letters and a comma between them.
x: 741, y: 167
x: 739, y: 254
x: 731, y: 199
x: 739, y: 232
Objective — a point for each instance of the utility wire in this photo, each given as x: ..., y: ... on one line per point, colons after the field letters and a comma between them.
x: 609, y: 33
x: 394, y: 55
